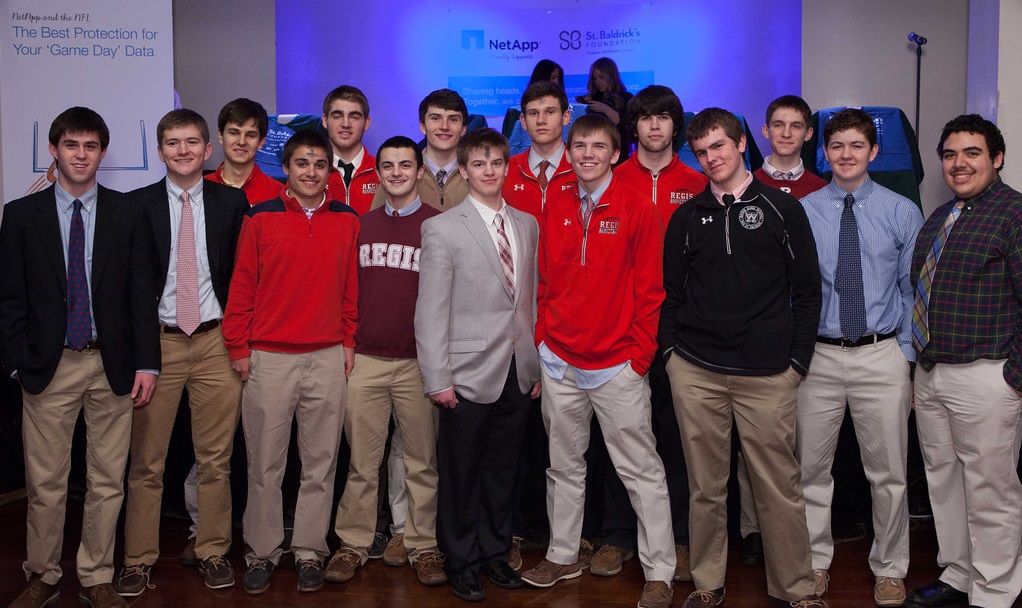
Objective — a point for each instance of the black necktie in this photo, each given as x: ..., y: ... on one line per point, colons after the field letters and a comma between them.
x: 728, y: 199
x: 347, y: 169
x: 848, y: 277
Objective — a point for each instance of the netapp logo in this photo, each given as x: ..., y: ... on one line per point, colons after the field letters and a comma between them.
x: 474, y: 39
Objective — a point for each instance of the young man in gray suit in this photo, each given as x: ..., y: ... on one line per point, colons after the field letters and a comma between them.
x: 474, y: 322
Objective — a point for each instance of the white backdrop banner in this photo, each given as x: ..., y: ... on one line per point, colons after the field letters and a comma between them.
x: 114, y: 56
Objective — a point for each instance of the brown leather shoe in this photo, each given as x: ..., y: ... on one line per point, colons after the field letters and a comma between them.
x: 889, y: 591
x: 101, y: 596
x: 514, y: 554
x: 343, y: 565
x: 683, y: 571
x: 822, y: 580
x: 656, y: 594
x: 585, y: 553
x: 429, y: 567
x: 133, y: 580
x: 36, y: 594
x: 701, y: 598
x: 547, y: 573
x: 609, y: 560
x: 395, y: 554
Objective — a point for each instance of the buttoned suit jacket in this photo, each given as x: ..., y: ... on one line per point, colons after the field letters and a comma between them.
x: 467, y: 322
x: 224, y: 208
x: 33, y: 290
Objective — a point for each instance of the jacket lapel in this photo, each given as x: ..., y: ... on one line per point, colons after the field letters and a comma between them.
x: 160, y: 217
x: 481, y: 234
x: 49, y: 231
x: 213, y: 211
x: 521, y: 251
x: 107, y: 210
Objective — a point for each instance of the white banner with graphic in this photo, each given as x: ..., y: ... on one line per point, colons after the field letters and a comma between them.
x: 114, y: 56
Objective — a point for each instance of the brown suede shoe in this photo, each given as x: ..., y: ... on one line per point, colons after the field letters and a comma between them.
x: 547, y: 573
x: 683, y: 571
x: 395, y: 554
x: 656, y: 594
x: 36, y: 594
x: 429, y: 567
x: 585, y: 553
x: 514, y: 554
x: 101, y: 596
x: 889, y: 591
x: 609, y: 560
x: 343, y: 565
x: 701, y: 598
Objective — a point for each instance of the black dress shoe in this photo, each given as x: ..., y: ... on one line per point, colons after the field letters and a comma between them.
x: 937, y: 595
x: 752, y: 550
x: 466, y: 586
x: 502, y: 574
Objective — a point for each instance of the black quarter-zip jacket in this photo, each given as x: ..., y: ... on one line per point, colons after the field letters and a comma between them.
x: 743, y: 284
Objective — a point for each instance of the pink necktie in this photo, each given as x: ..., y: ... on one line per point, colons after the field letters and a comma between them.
x: 187, y: 272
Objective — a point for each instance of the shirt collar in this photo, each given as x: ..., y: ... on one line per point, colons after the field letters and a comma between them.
x: 65, y: 202
x: 861, y: 194
x: 789, y: 175
x: 357, y: 161
x: 433, y: 167
x: 404, y: 211
x: 554, y: 159
x: 487, y: 213
x: 596, y: 194
x: 194, y: 193
x: 738, y: 192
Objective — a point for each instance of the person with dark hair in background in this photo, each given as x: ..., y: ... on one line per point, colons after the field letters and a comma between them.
x: 78, y: 332
x: 608, y: 97
x: 289, y: 328
x: 737, y: 329
x: 547, y: 71
x: 657, y: 118
x: 195, y: 226
x: 353, y: 177
x: 967, y: 272
x: 241, y: 129
x: 443, y: 117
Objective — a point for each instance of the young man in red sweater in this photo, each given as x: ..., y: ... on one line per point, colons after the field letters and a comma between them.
x: 386, y: 379
x: 542, y: 171
x: 601, y: 284
x: 296, y: 265
x: 241, y: 128
x: 353, y: 177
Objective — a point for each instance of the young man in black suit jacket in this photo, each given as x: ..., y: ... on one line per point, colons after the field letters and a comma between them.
x: 78, y: 331
x: 195, y: 225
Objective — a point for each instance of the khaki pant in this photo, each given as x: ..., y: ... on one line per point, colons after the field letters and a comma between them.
x: 47, y: 428
x: 970, y: 428
x: 623, y: 409
x: 378, y: 387
x: 873, y: 381
x: 309, y: 387
x: 763, y: 408
x: 200, y: 364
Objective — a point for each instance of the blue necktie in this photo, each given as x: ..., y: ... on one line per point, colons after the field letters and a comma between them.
x: 79, y: 319
x: 848, y: 277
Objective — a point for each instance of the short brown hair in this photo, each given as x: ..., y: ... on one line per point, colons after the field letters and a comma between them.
x: 712, y: 118
x: 851, y: 118
x: 588, y: 124
x: 482, y: 139
x: 182, y: 117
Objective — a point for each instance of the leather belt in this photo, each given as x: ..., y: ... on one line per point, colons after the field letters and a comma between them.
x: 202, y: 328
x: 90, y: 345
x: 863, y: 341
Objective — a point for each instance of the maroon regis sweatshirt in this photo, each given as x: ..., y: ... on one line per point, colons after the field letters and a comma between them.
x: 388, y: 279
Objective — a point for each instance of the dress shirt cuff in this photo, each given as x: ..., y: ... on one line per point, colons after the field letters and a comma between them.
x: 148, y: 371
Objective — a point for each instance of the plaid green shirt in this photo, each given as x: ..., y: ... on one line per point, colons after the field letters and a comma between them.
x: 977, y: 287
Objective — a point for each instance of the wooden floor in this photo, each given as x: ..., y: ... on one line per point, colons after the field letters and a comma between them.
x: 177, y: 586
